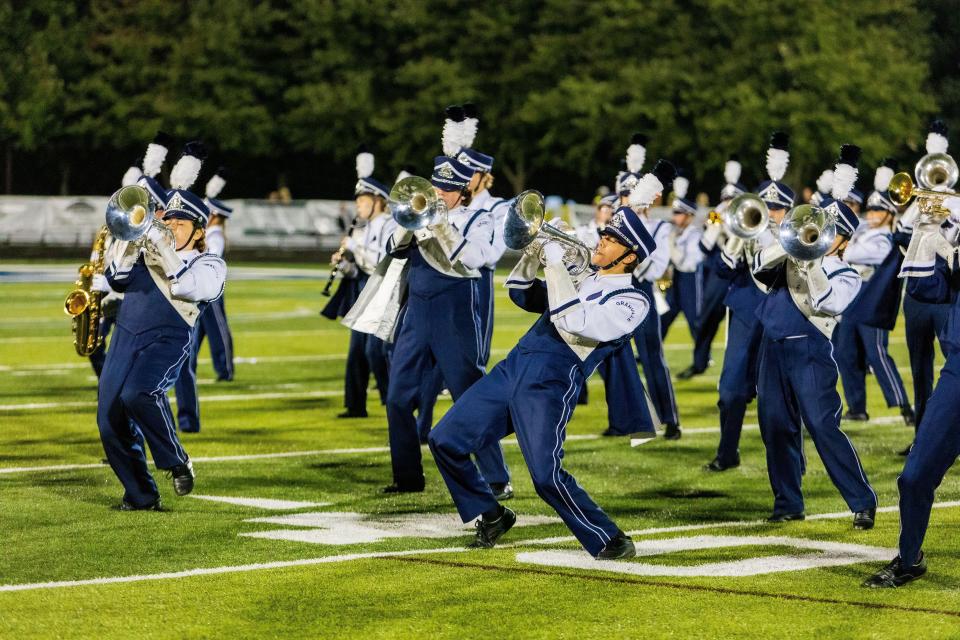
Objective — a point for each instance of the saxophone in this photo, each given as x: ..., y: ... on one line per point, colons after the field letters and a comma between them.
x: 83, y: 304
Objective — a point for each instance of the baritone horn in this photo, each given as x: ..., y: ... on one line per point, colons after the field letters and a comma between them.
x: 130, y: 213
x: 747, y: 216
x: 414, y: 203
x: 524, y: 229
x: 807, y: 232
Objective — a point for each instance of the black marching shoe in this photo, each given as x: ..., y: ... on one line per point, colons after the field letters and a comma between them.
x: 620, y: 547
x: 501, y: 490
x: 488, y: 532
x: 716, y: 465
x: 126, y: 506
x: 689, y: 372
x: 896, y: 575
x: 863, y: 520
x: 909, y: 417
x: 787, y: 517
x: 352, y: 414
x: 856, y: 416
x: 182, y: 478
x: 672, y: 432
x: 398, y: 488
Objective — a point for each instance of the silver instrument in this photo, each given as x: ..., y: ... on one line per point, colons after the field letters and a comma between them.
x: 807, y: 232
x: 936, y: 171
x: 747, y: 216
x: 414, y: 203
x: 130, y: 214
x: 524, y: 229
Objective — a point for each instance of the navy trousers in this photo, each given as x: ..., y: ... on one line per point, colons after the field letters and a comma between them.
x: 627, y: 410
x: 486, y: 312
x: 738, y: 381
x: 655, y: 369
x: 440, y: 332
x: 534, y: 395
x: 934, y: 451
x: 798, y: 385
x: 712, y: 312
x: 923, y: 324
x: 366, y: 354
x: 213, y: 325
x: 685, y: 295
x: 188, y: 401
x: 431, y: 386
x: 133, y: 410
x: 857, y: 346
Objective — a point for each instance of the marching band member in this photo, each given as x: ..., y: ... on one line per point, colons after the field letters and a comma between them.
x: 857, y: 340
x: 441, y: 323
x: 937, y: 444
x: 797, y: 382
x: 360, y: 252
x: 213, y: 319
x: 110, y: 304
x: 532, y: 392
x: 715, y: 287
x: 685, y: 257
x: 738, y: 378
x: 166, y: 287
x: 923, y: 321
x: 647, y: 334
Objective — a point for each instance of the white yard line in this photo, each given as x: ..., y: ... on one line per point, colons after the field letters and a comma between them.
x: 348, y: 557
x: 228, y: 397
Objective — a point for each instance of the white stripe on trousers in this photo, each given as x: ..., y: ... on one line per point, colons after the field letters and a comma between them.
x: 161, y: 392
x: 884, y: 361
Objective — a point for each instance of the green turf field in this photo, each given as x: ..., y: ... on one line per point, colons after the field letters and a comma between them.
x: 337, y: 559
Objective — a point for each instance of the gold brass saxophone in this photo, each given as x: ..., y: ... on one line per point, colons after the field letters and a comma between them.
x: 83, y: 303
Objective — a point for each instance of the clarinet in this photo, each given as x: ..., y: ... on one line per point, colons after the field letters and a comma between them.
x: 339, y: 255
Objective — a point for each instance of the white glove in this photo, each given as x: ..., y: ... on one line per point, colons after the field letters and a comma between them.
x: 711, y: 234
x: 156, y: 237
x: 100, y: 283
x: 952, y: 204
x: 733, y: 247
x: 553, y: 253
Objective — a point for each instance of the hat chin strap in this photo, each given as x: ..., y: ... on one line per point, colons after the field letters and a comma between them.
x: 622, y: 257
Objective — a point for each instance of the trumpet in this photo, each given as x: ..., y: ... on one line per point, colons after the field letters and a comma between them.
x: 929, y: 202
x: 414, y: 203
x: 524, y: 230
x: 807, y: 232
x: 747, y: 216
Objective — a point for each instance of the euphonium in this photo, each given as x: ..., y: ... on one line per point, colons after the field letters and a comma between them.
x: 129, y: 213
x: 747, y: 216
x: 524, y: 230
x: 414, y: 203
x: 83, y: 303
x: 807, y: 232
x: 936, y: 173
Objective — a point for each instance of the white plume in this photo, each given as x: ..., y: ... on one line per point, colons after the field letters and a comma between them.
x: 153, y: 159
x: 214, y: 186
x: 364, y: 165
x: 844, y: 177
x: 732, y: 171
x: 777, y: 162
x: 131, y: 176
x: 936, y: 143
x: 825, y: 181
x: 468, y: 132
x: 450, y: 138
x: 636, y: 156
x: 185, y: 172
x: 680, y: 186
x: 645, y: 191
x: 881, y: 179
x: 403, y: 174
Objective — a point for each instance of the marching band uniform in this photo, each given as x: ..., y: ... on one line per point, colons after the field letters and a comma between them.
x: 857, y: 343
x: 364, y: 247
x: 686, y: 292
x: 533, y: 391
x: 937, y: 444
x: 923, y: 321
x: 165, y: 291
x: 798, y: 376
x: 715, y: 287
x: 212, y: 322
x: 738, y: 378
x: 441, y: 326
x: 647, y: 334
